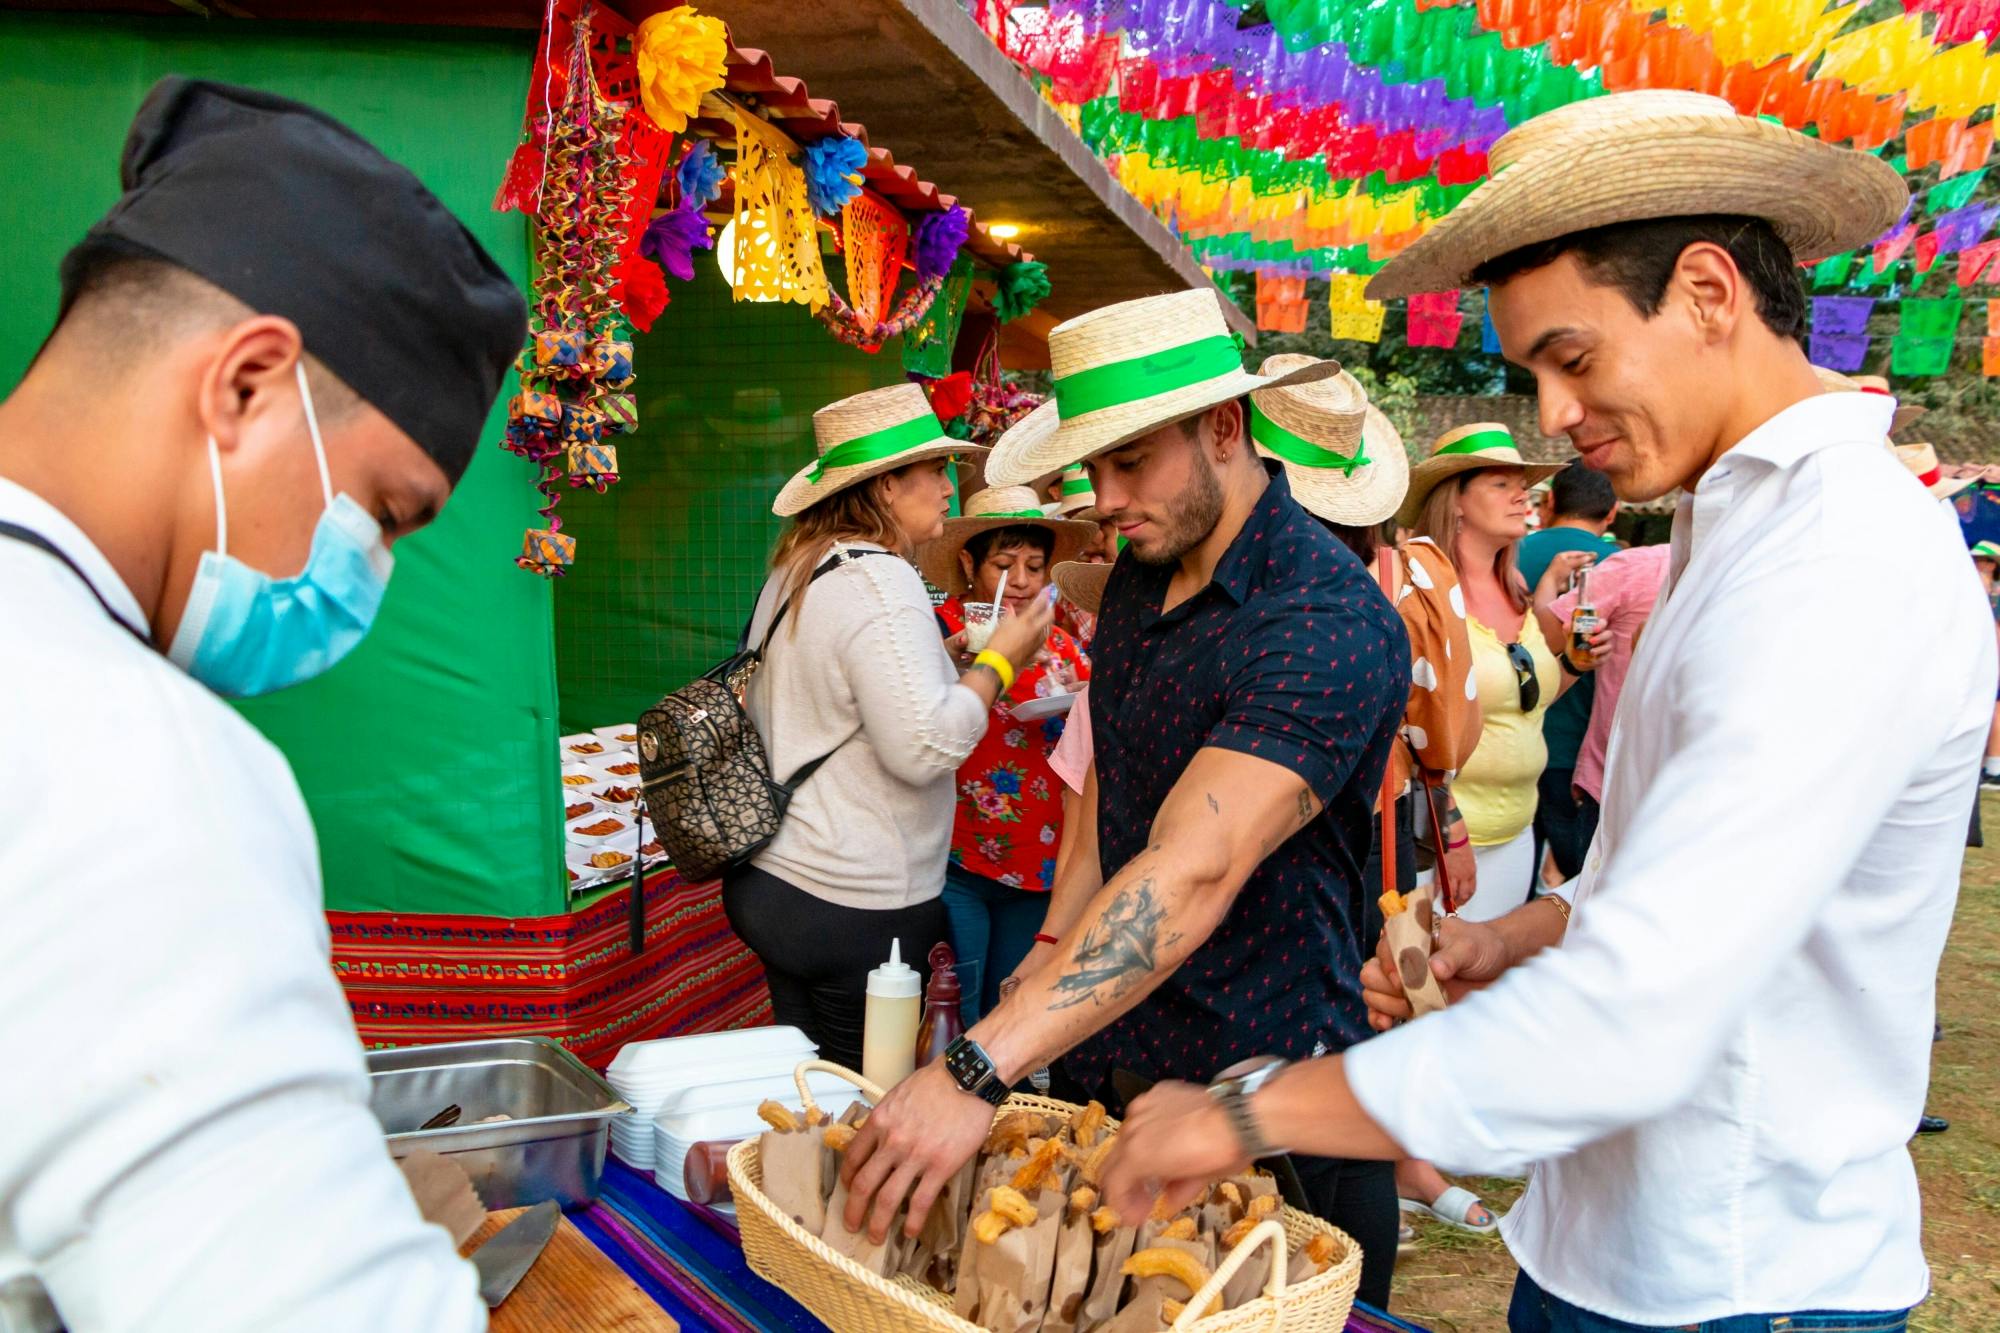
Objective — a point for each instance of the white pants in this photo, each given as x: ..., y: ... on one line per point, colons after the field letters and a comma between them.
x: 1505, y: 872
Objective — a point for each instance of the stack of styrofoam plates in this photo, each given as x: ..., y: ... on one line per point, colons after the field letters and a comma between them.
x: 645, y: 1073
x: 722, y: 1112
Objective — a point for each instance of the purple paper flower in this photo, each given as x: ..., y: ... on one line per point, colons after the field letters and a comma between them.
x: 672, y: 238
x: 939, y: 237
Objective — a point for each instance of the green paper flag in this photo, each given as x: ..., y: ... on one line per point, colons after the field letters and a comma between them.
x: 1832, y: 271
x: 1954, y: 193
x: 1919, y: 356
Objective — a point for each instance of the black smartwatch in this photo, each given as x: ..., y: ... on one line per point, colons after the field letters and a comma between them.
x: 972, y: 1069
x: 1233, y: 1089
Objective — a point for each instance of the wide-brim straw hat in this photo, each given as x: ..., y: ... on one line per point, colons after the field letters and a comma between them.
x: 1835, y: 382
x: 1125, y: 370
x: 993, y: 508
x: 1078, y: 499
x: 1980, y: 551
x: 1661, y: 153
x: 865, y: 436
x: 1082, y: 584
x: 1483, y: 444
x: 1339, y: 469
x: 1922, y: 461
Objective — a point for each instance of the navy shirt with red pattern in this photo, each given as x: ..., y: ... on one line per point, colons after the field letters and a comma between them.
x: 1292, y: 654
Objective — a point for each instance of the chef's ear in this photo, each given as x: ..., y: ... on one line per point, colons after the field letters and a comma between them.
x: 249, y: 391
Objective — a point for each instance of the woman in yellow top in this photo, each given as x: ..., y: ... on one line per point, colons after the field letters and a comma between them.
x: 1470, y: 497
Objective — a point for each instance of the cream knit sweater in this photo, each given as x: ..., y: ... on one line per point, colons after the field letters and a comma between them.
x: 861, y: 656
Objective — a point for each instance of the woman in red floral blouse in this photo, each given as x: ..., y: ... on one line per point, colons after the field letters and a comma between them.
x: 1009, y: 814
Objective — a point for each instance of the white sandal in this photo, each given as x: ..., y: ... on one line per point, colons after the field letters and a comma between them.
x: 1453, y: 1208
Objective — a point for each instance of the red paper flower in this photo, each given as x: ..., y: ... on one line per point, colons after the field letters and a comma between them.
x: 642, y: 292
x: 951, y: 395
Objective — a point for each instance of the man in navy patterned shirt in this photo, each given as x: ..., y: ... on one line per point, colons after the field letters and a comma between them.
x: 1249, y: 680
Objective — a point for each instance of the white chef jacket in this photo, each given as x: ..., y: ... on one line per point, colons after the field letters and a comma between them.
x: 185, y: 1140
x: 1718, y: 1072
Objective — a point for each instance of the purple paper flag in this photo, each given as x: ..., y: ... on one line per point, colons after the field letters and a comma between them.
x: 1839, y: 351
x: 1963, y: 227
x: 1841, y: 314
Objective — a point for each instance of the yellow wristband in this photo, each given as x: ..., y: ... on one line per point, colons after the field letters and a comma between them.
x: 998, y: 665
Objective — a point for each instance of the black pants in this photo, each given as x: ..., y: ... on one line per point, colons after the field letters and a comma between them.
x: 1564, y: 822
x: 1358, y: 1197
x: 817, y: 955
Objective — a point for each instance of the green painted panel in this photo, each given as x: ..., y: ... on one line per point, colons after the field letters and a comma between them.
x: 429, y: 756
x: 669, y: 561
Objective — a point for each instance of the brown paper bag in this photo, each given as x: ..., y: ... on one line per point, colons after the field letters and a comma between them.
x: 1409, y: 937
x: 794, y: 1174
x: 933, y: 1256
x: 1250, y: 1280
x: 1070, y: 1282
x: 881, y: 1260
x: 1146, y: 1290
x: 1014, y: 1272
x: 1107, y: 1285
x: 1142, y: 1314
x: 966, y: 1291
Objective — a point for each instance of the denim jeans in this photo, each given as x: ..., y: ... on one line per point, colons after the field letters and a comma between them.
x: 1535, y: 1311
x: 993, y: 926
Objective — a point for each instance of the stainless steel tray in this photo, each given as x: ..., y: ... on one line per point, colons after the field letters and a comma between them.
x: 559, y: 1112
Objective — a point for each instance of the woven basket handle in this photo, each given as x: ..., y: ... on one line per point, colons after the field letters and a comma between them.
x: 1273, y: 1232
x: 868, y: 1090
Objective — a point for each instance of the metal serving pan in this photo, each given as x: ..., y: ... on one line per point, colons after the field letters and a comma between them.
x: 552, y: 1144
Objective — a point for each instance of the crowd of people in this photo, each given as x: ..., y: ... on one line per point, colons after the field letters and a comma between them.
x: 1298, y: 671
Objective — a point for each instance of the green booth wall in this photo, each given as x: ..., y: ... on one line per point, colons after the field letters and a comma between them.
x: 429, y: 756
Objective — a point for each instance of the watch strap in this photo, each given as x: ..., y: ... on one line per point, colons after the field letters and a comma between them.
x: 972, y: 1069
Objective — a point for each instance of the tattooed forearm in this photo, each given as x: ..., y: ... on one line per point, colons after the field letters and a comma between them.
x: 1211, y: 803
x: 1306, y: 805
x: 1118, y: 951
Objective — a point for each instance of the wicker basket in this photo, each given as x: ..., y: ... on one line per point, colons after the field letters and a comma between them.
x: 850, y: 1299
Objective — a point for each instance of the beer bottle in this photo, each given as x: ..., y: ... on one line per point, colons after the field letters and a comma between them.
x: 1583, y: 622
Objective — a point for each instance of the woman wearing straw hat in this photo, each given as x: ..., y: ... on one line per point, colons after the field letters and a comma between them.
x: 857, y: 676
x: 1470, y: 499
x: 1009, y: 814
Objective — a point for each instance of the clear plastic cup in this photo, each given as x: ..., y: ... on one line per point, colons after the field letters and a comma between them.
x: 981, y: 619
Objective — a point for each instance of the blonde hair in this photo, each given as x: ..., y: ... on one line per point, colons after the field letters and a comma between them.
x: 856, y: 514
x: 1439, y: 522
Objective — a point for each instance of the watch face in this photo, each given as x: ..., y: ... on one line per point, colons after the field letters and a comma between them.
x: 1244, y: 1068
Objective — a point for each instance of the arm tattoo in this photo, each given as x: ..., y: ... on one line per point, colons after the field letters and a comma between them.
x: 1305, y: 805
x: 1118, y: 951
x: 1211, y: 803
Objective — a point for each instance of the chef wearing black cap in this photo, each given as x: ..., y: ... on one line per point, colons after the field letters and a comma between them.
x: 273, y: 358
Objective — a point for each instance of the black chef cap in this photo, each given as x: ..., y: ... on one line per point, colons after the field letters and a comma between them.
x: 294, y: 214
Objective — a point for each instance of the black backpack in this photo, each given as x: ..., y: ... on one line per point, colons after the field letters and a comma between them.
x: 703, y: 767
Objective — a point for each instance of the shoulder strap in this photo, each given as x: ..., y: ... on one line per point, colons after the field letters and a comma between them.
x: 826, y: 566
x: 1385, y: 574
x: 811, y: 766
x: 29, y: 537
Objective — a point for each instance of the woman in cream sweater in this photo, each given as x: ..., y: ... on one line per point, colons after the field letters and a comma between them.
x: 856, y: 672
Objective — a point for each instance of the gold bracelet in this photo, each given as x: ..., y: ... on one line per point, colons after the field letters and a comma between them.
x: 1560, y: 904
x: 998, y: 665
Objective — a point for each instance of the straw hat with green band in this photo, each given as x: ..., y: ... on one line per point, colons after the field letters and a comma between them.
x: 1344, y: 461
x: 1077, y: 499
x: 997, y: 507
x: 1124, y: 371
x: 1483, y: 444
x: 1987, y: 551
x: 865, y: 436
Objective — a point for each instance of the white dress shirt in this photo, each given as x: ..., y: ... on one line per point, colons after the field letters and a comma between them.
x: 185, y: 1140
x: 1717, y: 1074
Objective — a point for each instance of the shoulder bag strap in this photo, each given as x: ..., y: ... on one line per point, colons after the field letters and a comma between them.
x: 1386, y: 575
x: 811, y: 766
x: 29, y: 537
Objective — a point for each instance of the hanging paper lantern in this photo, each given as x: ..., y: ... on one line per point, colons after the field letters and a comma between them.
x: 873, y: 237
x: 777, y: 251
x: 682, y: 55
x: 929, y: 346
x: 833, y: 172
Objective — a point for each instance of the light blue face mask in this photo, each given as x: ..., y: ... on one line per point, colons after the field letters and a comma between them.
x: 246, y: 633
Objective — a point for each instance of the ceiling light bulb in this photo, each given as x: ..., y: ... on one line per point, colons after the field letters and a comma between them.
x: 1003, y: 231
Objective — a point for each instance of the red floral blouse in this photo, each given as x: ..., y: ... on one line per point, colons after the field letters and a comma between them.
x: 1009, y: 815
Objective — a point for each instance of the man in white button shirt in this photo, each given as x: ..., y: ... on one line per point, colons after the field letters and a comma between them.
x: 1715, y: 1075
x: 273, y: 357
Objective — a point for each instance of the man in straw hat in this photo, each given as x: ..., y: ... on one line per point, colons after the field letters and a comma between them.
x: 273, y: 359
x: 1248, y: 680
x: 1715, y: 1073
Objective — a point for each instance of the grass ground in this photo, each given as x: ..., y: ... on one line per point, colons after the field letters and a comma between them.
x: 1456, y: 1283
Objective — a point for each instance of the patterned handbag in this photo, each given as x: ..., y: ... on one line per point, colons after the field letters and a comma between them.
x: 706, y: 776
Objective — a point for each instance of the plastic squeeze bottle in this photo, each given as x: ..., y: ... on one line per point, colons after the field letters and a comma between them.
x: 943, y: 1021
x: 889, y: 1027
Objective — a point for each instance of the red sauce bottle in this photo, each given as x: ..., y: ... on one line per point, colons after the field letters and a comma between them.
x: 942, y: 1023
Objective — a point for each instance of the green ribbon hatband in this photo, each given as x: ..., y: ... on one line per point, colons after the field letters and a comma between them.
x: 1477, y: 443
x: 1297, y: 449
x: 877, y: 445
x: 1147, y: 376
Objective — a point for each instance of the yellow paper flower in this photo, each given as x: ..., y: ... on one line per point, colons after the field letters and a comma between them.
x: 681, y: 56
